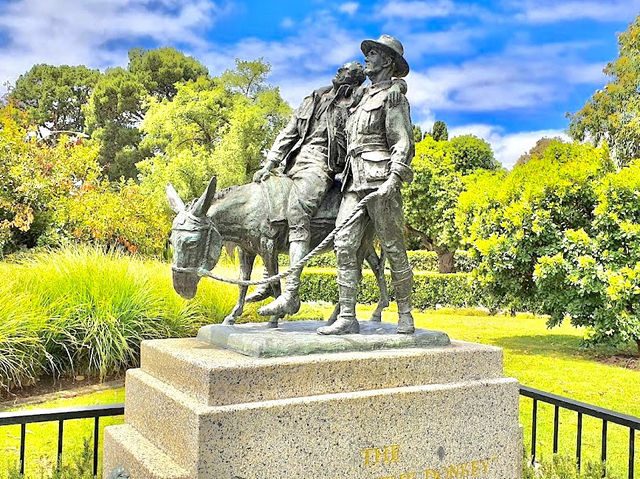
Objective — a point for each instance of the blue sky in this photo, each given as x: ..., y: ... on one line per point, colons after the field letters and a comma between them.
x: 504, y: 70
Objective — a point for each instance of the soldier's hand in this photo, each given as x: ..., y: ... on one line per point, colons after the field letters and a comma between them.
x: 261, y: 174
x: 389, y: 187
x: 394, y: 97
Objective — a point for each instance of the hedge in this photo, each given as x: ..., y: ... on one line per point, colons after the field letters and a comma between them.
x: 429, y: 289
x: 420, y: 260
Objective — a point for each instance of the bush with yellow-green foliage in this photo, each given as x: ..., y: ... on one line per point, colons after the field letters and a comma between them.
x: 594, y: 277
x: 52, y: 193
x: 511, y: 220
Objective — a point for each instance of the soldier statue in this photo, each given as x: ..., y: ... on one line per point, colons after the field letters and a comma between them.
x: 312, y: 147
x: 380, y: 148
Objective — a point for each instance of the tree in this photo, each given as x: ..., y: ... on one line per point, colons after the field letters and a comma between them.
x: 439, y: 131
x: 470, y: 153
x: 114, y: 112
x: 54, y: 95
x: 211, y: 127
x: 120, y: 100
x: 511, y: 220
x: 159, y: 70
x: 417, y: 133
x: 612, y: 114
x: 594, y: 279
x: 430, y: 201
x: 34, y: 180
x: 536, y: 150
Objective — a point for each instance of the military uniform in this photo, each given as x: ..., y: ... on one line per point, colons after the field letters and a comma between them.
x: 380, y: 147
x: 312, y: 148
x: 379, y: 144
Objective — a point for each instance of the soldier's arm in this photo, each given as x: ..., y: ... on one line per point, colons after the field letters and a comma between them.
x: 400, y: 140
x: 283, y: 143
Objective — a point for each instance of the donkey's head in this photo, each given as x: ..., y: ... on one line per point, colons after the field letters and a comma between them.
x: 196, y: 242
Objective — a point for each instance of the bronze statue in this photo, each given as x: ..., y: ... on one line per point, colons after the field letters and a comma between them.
x: 380, y: 148
x: 312, y: 148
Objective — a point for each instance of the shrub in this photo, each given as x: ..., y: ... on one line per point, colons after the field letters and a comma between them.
x: 594, y: 279
x: 511, y: 220
x: 429, y: 289
x: 420, y: 260
x: 564, y: 467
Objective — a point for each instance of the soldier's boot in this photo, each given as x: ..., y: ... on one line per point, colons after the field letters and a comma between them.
x: 346, y: 322
x: 289, y: 301
x: 403, y: 288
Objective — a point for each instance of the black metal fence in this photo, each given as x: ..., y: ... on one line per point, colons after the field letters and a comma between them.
x: 582, y: 409
x: 23, y: 418
x: 607, y: 416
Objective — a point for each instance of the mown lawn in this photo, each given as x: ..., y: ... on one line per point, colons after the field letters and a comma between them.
x: 551, y: 360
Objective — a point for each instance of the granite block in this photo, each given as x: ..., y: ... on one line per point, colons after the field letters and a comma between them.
x: 216, y: 376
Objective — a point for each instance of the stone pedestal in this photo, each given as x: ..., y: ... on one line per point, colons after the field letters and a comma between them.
x: 197, y: 410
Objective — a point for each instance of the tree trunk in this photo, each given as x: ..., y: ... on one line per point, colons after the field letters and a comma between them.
x: 446, y: 262
x: 638, y: 343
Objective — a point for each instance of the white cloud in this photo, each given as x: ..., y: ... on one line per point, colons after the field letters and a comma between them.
x: 520, y: 77
x: 287, y: 22
x: 507, y: 147
x: 350, y: 8
x: 96, y: 33
x: 417, y: 9
x: 552, y: 11
x: 423, y: 44
x: 300, y: 62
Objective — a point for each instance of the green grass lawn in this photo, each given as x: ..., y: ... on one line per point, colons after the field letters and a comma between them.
x: 551, y: 360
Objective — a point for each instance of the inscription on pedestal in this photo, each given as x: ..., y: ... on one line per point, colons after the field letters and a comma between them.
x: 379, y: 457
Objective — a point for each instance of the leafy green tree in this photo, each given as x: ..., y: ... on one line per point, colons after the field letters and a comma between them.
x: 215, y: 126
x: 54, y: 95
x: 417, y: 133
x: 248, y: 78
x: 120, y: 100
x: 612, y: 114
x: 439, y: 131
x: 536, y: 150
x: 510, y: 220
x: 114, y: 112
x: 159, y: 70
x: 430, y: 201
x: 594, y: 278
x: 470, y: 153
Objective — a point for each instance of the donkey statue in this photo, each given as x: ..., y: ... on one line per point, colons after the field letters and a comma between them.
x: 247, y: 216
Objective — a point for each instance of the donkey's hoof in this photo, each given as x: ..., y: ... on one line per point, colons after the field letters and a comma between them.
x: 229, y: 321
x: 273, y: 322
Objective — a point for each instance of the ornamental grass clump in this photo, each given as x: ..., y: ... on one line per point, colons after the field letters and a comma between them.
x: 85, y: 311
x: 23, y: 356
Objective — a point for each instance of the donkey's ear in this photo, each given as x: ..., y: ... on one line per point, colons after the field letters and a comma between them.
x: 203, y: 203
x: 176, y: 204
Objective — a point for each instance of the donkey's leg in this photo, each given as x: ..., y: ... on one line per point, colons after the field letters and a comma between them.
x: 262, y: 291
x: 334, y: 314
x: 377, y: 266
x: 246, y: 266
x: 272, y: 268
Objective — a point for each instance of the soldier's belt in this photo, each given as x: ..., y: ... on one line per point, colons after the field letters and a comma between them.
x: 356, y: 150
